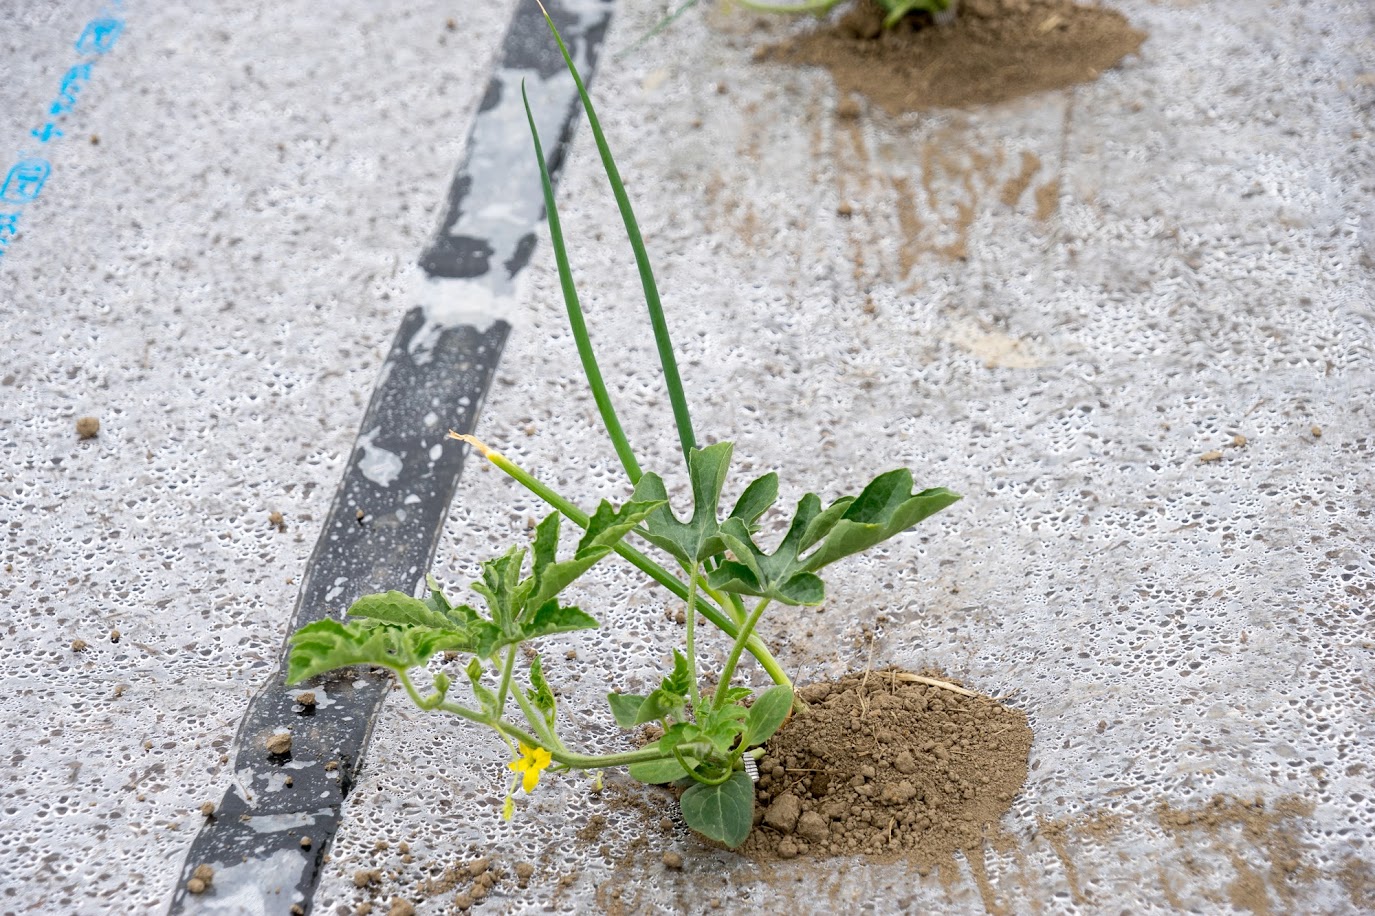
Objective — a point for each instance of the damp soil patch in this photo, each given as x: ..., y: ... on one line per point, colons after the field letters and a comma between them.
x: 879, y: 763
x: 991, y: 51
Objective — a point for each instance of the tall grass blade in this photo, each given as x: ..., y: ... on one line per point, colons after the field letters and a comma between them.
x: 674, y: 382
x: 662, y: 24
x: 575, y: 316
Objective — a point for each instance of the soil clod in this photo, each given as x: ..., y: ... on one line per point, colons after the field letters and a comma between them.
x: 990, y: 52
x: 883, y: 763
x: 201, y: 879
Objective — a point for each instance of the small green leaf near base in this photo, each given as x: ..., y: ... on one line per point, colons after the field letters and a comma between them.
x: 724, y: 812
x: 657, y: 772
x: 767, y: 714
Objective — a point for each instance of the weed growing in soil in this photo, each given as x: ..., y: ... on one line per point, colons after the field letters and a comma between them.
x: 893, y: 10
x: 721, y: 573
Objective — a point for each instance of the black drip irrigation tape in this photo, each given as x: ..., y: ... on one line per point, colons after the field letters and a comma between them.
x: 265, y: 843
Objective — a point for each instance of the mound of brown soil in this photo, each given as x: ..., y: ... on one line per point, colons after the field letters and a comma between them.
x: 991, y: 51
x: 878, y: 763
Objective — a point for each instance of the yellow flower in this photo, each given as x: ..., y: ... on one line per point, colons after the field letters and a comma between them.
x: 532, y: 761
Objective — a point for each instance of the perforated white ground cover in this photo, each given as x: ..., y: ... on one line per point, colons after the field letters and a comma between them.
x: 1186, y: 270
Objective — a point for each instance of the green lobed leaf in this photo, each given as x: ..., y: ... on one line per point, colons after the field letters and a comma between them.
x: 558, y: 576
x: 553, y: 617
x: 544, y: 548
x: 500, y: 581
x: 487, y: 638
x: 328, y: 644
x: 401, y: 609
x: 886, y: 507
x: 824, y: 521
x: 695, y: 539
x: 849, y: 525
x: 769, y: 712
x: 608, y: 525
x: 782, y: 575
x: 437, y: 600
x: 605, y: 529
x: 756, y: 500
x: 724, y: 812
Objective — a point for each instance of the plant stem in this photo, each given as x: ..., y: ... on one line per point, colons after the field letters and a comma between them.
x: 598, y: 761
x: 569, y: 758
x: 809, y: 6
x: 718, y: 618
x: 557, y: 752
x: 429, y: 703
x: 737, y: 607
x: 693, y: 695
x: 746, y: 631
x: 575, y: 316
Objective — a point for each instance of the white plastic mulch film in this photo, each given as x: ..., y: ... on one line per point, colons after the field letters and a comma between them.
x: 1149, y: 374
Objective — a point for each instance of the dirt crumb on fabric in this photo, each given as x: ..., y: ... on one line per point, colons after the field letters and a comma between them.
x: 1274, y: 825
x: 201, y: 879
x: 991, y: 51
x: 472, y: 881
x: 879, y: 765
